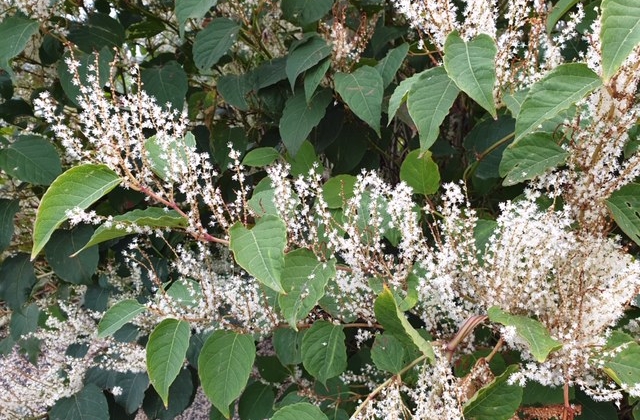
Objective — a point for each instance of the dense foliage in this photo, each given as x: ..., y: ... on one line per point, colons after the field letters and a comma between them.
x: 319, y: 209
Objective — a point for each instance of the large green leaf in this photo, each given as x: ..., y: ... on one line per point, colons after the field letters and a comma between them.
x: 498, y: 400
x: 97, y: 32
x: 420, y: 172
x: 118, y: 315
x: 471, y: 65
x: 287, y: 343
x: 304, y: 12
x: 260, y: 250
x: 362, y: 90
x: 530, y: 330
x: 15, y: 32
x: 157, y: 154
x: 531, y: 157
x: 399, y: 95
x: 313, y: 77
x: 167, y: 83
x: 324, y: 353
x: 305, y: 56
x: 166, y: 351
x: 224, y: 366
x: 557, y: 91
x: 619, y: 33
x: 102, y: 70
x: 300, y: 117
x: 17, y: 277
x: 8, y: 210
x: 88, y: 404
x: 299, y: 411
x: 394, y: 322
x: 624, y: 205
x: 191, y: 9
x: 429, y: 101
x: 389, y: 65
x: 256, y: 402
x: 234, y: 88
x: 338, y: 190
x: 121, y: 225
x: 559, y: 10
x: 79, y: 187
x: 67, y: 260
x: 388, y: 353
x: 303, y: 280
x: 31, y: 159
x: 214, y: 41
x: 624, y: 366
x: 261, y: 156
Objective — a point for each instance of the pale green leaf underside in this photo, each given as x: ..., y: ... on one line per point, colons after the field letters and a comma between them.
x: 389, y: 65
x: 399, y: 95
x: 619, y: 34
x: 118, y: 315
x: 79, y: 187
x: 152, y: 217
x: 532, y: 331
x: 556, y: 92
x: 362, y: 90
x: 393, y: 320
x: 496, y: 401
x: 429, y: 101
x: 166, y: 351
x: 260, y: 250
x: 224, y: 366
x: 471, y: 65
x: 299, y: 411
x: 530, y: 157
x: 624, y: 205
x: 303, y: 280
x: 324, y: 353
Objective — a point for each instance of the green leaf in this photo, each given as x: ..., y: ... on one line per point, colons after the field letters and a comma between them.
x: 256, y: 402
x: 64, y: 256
x: 420, y: 172
x: 531, y: 157
x: 88, y: 404
x: 98, y: 32
x: 166, y: 351
x: 261, y: 156
x: 428, y: 101
x: 18, y: 277
x: 624, y: 366
x: 214, y: 41
x: 158, y: 155
x: 304, y: 12
x: 234, y: 88
x: 299, y: 411
x: 559, y: 10
x: 8, y: 210
x: 313, y: 77
x: 102, y: 59
x: 389, y: 65
x: 619, y: 34
x: 513, y: 101
x: 304, y: 160
x: 260, y: 250
x: 496, y: 401
x: 303, y: 280
x: 287, y: 343
x: 224, y: 366
x: 324, y: 353
x: 557, y: 91
x: 194, y: 9
x: 471, y: 65
x: 300, y: 117
x: 121, y: 225
x: 624, y: 205
x: 388, y: 353
x: 362, y: 91
x: 31, y: 159
x: 394, y: 322
x: 338, y: 190
x: 15, y: 32
x: 118, y: 315
x: 133, y: 387
x: 79, y: 187
x: 305, y: 56
x: 399, y: 95
x: 24, y: 321
x: 167, y: 83
x: 530, y: 330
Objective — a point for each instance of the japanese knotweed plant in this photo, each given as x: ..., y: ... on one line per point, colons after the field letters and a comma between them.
x: 328, y: 209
